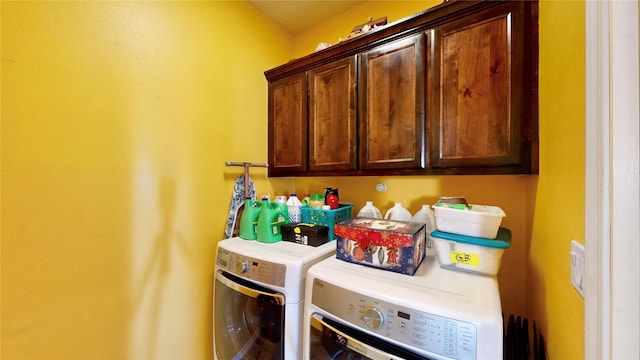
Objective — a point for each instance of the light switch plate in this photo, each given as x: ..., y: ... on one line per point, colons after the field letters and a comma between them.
x: 577, y: 266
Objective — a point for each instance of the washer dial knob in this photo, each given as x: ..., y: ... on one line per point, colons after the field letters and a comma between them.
x: 242, y: 266
x: 373, y: 318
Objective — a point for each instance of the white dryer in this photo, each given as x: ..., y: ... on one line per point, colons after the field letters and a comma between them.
x: 357, y: 312
x: 259, y: 298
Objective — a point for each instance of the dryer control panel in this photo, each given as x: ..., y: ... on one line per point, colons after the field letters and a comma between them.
x: 427, y: 331
x: 251, y: 268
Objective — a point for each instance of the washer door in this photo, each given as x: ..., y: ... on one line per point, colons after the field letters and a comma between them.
x: 249, y: 320
x: 330, y: 340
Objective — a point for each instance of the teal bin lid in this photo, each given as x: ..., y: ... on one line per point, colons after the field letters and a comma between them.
x: 502, y: 240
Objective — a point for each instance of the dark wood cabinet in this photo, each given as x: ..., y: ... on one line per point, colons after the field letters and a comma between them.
x: 392, y: 98
x: 288, y: 125
x: 480, y: 87
x: 451, y: 90
x: 332, y: 116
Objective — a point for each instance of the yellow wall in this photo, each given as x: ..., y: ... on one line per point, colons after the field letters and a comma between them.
x: 559, y: 205
x: 117, y: 119
x: 544, y: 212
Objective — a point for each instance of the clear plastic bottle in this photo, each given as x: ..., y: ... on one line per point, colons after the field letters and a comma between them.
x: 426, y: 216
x: 293, y: 205
x: 398, y: 212
x: 370, y: 211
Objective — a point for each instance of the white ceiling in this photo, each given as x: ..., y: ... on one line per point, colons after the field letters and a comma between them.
x: 299, y: 15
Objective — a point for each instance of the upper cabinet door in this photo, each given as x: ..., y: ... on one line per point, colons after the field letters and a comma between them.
x: 479, y: 91
x: 288, y: 125
x: 332, y: 116
x: 392, y: 97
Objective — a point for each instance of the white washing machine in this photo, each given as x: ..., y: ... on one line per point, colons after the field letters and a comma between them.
x: 357, y: 312
x: 259, y: 298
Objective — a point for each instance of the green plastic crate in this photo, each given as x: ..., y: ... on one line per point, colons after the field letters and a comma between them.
x: 326, y: 218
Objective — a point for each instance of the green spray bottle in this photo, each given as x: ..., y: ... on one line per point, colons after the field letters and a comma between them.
x: 269, y: 222
x: 249, y: 219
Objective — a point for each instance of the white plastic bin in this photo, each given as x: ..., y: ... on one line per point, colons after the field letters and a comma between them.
x: 471, y: 254
x: 481, y: 221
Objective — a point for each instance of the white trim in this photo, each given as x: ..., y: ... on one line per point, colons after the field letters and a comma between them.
x: 625, y: 202
x: 597, y: 238
x: 612, y: 186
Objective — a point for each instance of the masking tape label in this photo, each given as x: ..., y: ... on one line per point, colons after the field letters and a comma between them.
x: 464, y: 258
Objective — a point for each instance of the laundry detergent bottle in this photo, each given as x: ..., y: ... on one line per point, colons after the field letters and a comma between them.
x: 249, y: 219
x: 269, y: 222
x: 284, y: 217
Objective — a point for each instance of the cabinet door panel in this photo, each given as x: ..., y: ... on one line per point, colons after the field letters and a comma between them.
x: 332, y: 116
x: 477, y: 107
x: 288, y: 125
x: 392, y: 101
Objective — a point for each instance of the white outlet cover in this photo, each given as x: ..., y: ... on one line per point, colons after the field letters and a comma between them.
x: 577, y: 266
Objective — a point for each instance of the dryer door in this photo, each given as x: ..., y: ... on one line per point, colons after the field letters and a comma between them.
x: 249, y: 320
x: 332, y: 340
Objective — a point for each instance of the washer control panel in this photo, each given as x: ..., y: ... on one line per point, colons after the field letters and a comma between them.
x: 427, y: 331
x: 251, y: 268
